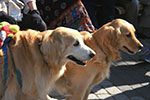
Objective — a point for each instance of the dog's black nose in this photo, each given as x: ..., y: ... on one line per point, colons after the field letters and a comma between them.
x: 140, y: 47
x: 91, y: 55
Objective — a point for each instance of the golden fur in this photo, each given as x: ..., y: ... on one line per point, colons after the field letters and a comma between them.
x: 77, y: 82
x: 41, y: 59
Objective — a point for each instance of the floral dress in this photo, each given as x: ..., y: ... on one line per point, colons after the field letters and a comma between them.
x: 68, y: 13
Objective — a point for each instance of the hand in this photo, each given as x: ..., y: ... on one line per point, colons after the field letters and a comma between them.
x: 37, y: 20
x: 34, y: 12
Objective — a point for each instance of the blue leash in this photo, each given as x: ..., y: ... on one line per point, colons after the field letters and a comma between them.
x: 6, y: 72
x: 4, y: 48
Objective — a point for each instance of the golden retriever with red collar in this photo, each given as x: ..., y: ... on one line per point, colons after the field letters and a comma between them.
x: 77, y: 82
x: 40, y: 57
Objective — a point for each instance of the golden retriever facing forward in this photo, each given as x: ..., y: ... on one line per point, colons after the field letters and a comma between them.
x: 77, y: 82
x: 40, y: 57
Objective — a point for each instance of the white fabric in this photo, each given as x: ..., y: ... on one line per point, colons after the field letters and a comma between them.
x: 19, y: 3
x: 3, y: 6
x: 14, y: 11
x: 12, y: 8
x: 2, y: 35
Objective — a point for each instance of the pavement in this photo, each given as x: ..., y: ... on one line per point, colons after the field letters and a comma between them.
x: 129, y: 79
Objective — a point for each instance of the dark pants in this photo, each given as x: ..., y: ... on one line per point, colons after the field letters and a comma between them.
x: 29, y: 21
x: 100, y: 11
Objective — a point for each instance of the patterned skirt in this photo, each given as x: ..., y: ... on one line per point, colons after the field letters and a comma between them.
x: 75, y: 16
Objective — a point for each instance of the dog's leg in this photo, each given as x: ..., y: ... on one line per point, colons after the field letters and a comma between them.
x: 42, y: 87
x: 78, y: 95
x: 87, y: 94
x: 11, y: 91
x: 9, y: 95
x: 43, y: 96
x: 81, y: 96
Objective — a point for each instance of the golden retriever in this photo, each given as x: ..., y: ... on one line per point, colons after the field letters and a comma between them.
x: 40, y: 57
x: 77, y: 82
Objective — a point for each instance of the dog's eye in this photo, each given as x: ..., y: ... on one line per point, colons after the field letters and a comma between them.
x: 76, y: 43
x: 128, y: 35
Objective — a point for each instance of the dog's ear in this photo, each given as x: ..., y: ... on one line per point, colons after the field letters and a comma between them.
x: 46, y: 41
x: 51, y: 46
x: 111, y: 42
x: 85, y: 35
x: 117, y: 32
x: 114, y: 37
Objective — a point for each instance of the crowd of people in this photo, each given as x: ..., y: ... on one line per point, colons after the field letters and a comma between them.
x: 82, y: 15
